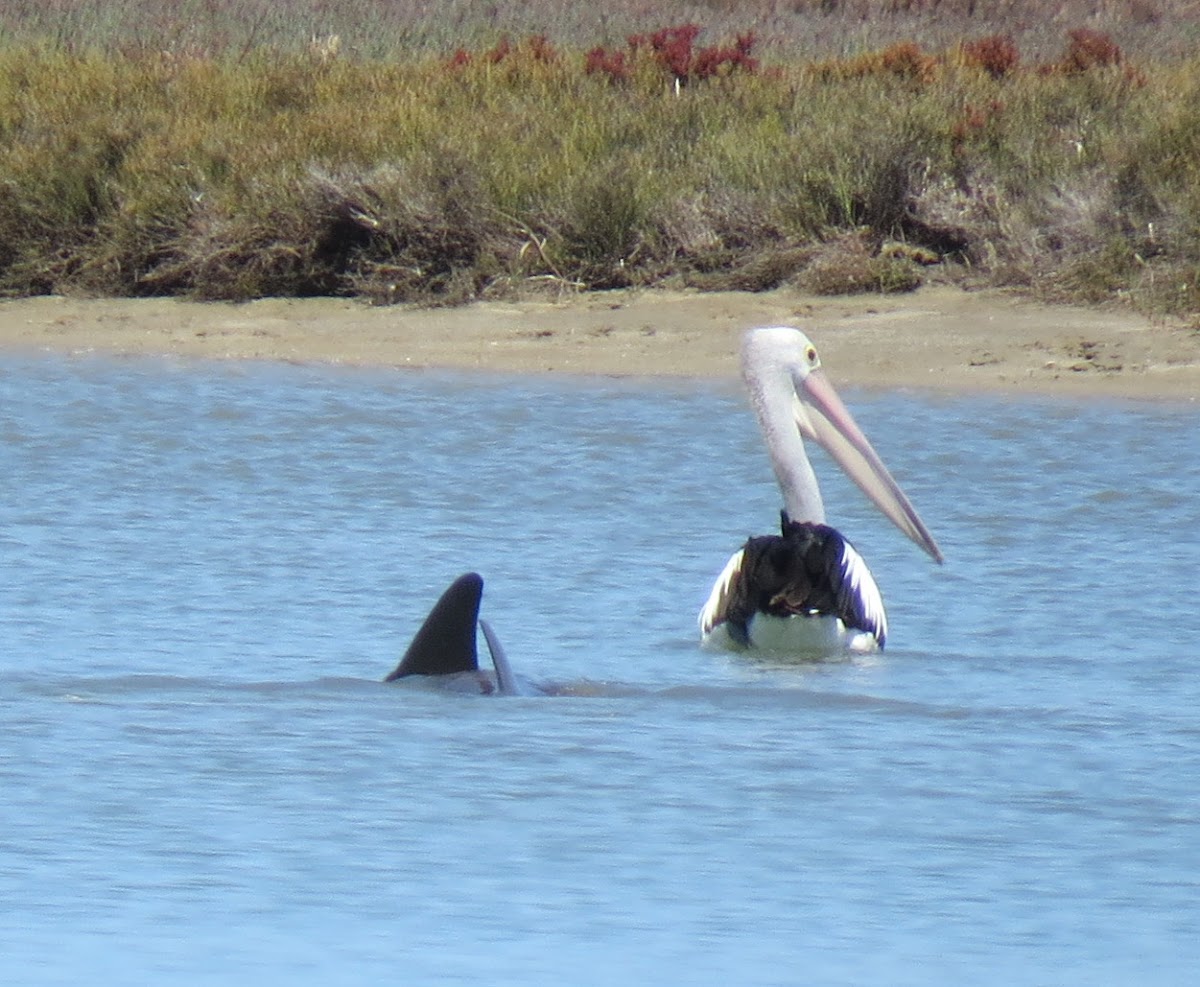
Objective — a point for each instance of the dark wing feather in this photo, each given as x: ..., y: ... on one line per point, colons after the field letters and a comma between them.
x: 843, y: 585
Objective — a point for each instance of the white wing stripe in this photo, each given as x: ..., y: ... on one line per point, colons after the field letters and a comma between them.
x: 862, y: 583
x: 714, y: 610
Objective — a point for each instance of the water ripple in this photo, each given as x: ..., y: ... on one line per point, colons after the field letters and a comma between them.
x: 210, y: 568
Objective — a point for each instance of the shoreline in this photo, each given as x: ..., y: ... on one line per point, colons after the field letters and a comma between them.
x: 939, y: 339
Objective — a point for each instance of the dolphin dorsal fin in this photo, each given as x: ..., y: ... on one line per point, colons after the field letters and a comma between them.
x: 445, y: 644
x: 506, y: 682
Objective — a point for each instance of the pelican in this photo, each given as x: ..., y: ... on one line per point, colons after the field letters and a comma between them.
x: 805, y: 590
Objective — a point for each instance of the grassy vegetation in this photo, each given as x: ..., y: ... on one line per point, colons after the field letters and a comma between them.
x: 215, y: 154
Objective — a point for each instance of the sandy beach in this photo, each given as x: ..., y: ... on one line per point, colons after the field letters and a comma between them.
x: 938, y: 338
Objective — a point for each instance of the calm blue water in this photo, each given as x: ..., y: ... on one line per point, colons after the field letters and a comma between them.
x: 208, y: 568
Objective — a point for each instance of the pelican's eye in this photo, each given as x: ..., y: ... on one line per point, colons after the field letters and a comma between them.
x: 811, y: 355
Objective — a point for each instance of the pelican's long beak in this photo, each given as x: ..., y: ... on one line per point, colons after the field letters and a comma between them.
x: 822, y: 417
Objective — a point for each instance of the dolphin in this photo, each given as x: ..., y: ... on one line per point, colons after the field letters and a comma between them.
x: 445, y: 645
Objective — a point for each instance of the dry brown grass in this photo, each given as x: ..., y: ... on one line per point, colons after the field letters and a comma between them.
x: 253, y: 161
x: 785, y: 30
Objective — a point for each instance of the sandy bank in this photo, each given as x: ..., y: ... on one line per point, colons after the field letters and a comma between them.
x: 936, y: 338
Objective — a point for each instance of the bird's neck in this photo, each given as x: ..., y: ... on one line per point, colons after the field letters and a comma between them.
x: 797, y: 481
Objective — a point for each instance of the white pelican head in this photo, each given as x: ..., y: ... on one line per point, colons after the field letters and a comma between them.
x: 793, y: 398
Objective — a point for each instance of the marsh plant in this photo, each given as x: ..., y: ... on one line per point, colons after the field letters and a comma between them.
x: 440, y: 170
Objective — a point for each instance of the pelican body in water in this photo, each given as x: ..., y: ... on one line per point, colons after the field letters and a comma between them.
x: 805, y: 590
